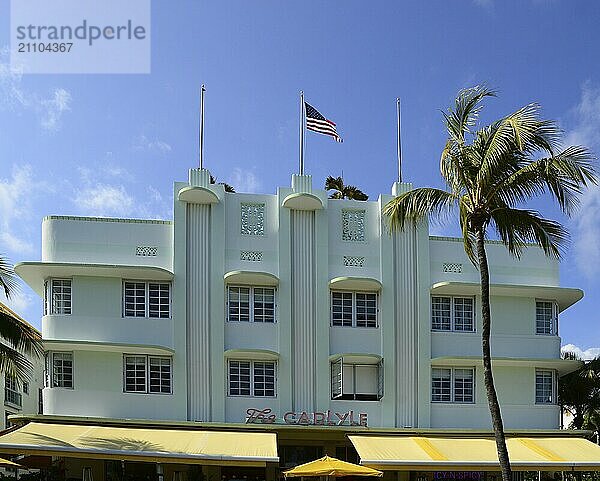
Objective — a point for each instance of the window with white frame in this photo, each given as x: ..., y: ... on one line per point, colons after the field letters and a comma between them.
x: 353, y: 309
x: 546, y: 317
x: 452, y: 314
x: 147, y: 299
x: 62, y: 369
x: 453, y: 385
x: 57, y: 296
x: 252, y: 378
x: 251, y: 304
x: 359, y: 382
x: 147, y: 374
x: 11, y: 390
x: 545, y: 387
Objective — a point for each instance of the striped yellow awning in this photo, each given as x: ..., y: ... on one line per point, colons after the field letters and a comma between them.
x: 426, y: 453
x: 142, y: 444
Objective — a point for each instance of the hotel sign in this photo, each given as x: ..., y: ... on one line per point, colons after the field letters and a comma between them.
x: 304, y: 418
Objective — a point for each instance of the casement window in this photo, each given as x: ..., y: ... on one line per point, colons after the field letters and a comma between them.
x: 359, y: 382
x: 354, y: 309
x: 147, y: 299
x: 546, y: 318
x: 61, y: 374
x: 453, y: 314
x: 11, y: 391
x: 545, y: 387
x: 453, y: 385
x: 252, y: 378
x: 251, y: 304
x: 57, y: 296
x: 147, y: 374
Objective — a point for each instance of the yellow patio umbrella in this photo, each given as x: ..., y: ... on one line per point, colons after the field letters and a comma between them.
x: 327, y: 466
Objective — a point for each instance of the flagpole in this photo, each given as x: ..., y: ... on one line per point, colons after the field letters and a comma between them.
x: 302, y: 122
x: 399, y: 125
x: 202, y: 90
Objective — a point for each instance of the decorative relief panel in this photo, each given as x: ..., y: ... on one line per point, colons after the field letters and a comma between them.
x: 354, y: 261
x: 252, y: 219
x: 146, y: 251
x: 252, y: 256
x: 454, y: 267
x: 353, y: 225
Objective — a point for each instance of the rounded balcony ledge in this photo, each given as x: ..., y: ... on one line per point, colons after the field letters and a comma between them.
x: 355, y: 283
x: 99, y: 346
x: 251, y: 354
x: 562, y: 366
x: 253, y: 278
x: 302, y: 201
x: 356, y: 358
x: 197, y: 195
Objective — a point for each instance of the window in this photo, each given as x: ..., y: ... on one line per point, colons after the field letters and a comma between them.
x: 147, y: 299
x: 25, y: 387
x: 57, y: 296
x: 452, y: 314
x: 11, y: 392
x: 147, y: 374
x: 40, y: 401
x: 62, y: 370
x: 546, y: 317
x: 251, y: 304
x: 359, y: 382
x: 353, y: 309
x: 252, y: 378
x: 545, y: 387
x: 453, y: 385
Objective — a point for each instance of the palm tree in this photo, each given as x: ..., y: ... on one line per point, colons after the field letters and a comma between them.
x: 228, y: 188
x: 490, y: 172
x: 343, y: 191
x: 18, y: 338
x: 579, y: 392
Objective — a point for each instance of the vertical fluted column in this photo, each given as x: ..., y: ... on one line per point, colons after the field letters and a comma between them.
x: 198, y: 309
x: 303, y: 309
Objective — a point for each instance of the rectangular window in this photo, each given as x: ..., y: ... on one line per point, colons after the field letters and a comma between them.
x: 25, y: 387
x: 545, y: 391
x: 359, y: 382
x: 147, y: 299
x: 60, y: 296
x: 62, y: 369
x: 147, y: 374
x: 353, y: 309
x: 546, y: 317
x: 11, y: 392
x: 453, y: 385
x: 453, y: 314
x: 40, y: 401
x: 251, y: 304
x: 252, y: 378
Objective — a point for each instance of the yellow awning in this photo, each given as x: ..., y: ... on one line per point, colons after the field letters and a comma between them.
x: 5, y: 463
x: 327, y: 466
x: 426, y: 453
x: 140, y: 444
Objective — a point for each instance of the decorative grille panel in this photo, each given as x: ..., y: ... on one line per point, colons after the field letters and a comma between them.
x: 253, y: 219
x: 252, y: 256
x: 454, y: 267
x: 354, y: 261
x: 353, y: 225
x: 146, y: 251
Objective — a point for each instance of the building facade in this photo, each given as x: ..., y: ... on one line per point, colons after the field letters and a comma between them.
x: 290, y: 308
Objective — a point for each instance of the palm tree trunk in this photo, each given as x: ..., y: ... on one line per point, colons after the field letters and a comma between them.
x: 488, y: 377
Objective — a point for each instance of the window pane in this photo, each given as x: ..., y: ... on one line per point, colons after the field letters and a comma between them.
x: 62, y: 369
x: 440, y: 313
x: 463, y: 385
x: 264, y: 379
x: 61, y: 296
x: 366, y: 380
x: 366, y: 309
x: 159, y: 300
x: 135, y: 373
x: 160, y: 375
x: 463, y: 314
x: 348, y: 381
x: 264, y: 304
x: 341, y: 309
x: 336, y: 379
x: 441, y: 385
x: 544, y: 387
x: 544, y: 318
x: 238, y: 304
x: 239, y: 378
x: 135, y: 299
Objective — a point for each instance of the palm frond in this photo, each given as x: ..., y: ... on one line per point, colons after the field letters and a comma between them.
x: 354, y: 193
x: 15, y: 364
x: 464, y: 212
x: 468, y: 104
x: 18, y: 334
x: 415, y: 205
x: 518, y: 227
x: 334, y: 183
x: 8, y: 279
x: 226, y: 186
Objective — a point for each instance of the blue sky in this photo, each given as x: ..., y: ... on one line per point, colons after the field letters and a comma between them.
x: 113, y: 144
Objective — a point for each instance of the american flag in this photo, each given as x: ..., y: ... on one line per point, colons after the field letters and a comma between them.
x: 317, y: 123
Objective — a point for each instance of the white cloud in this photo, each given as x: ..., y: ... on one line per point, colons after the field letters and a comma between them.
x: 11, y: 93
x: 104, y: 200
x: 143, y: 143
x: 587, y: 354
x: 244, y: 181
x: 19, y: 301
x: 52, y: 109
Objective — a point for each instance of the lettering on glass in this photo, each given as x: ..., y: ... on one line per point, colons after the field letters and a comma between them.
x: 252, y: 219
x: 353, y: 225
